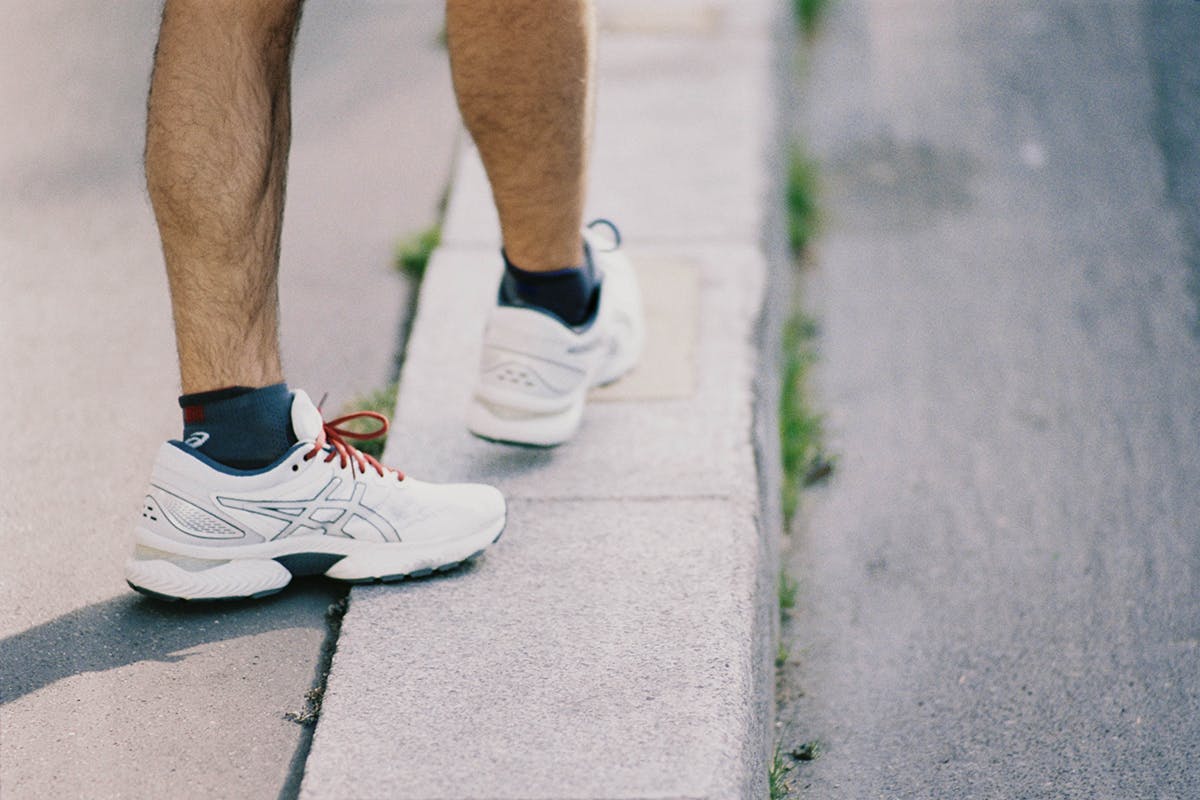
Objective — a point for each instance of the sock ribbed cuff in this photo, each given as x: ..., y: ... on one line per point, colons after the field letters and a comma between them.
x: 570, y: 294
x: 239, y: 426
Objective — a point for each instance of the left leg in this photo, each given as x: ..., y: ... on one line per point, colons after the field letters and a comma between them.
x: 523, y: 78
x: 569, y: 313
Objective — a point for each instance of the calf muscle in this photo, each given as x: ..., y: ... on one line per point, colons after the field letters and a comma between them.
x: 522, y: 76
x: 217, y: 137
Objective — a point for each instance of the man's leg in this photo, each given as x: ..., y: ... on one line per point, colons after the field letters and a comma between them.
x: 288, y: 493
x: 217, y: 137
x: 523, y: 76
x: 568, y: 316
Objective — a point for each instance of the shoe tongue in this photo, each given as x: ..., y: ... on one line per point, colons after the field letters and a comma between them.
x: 306, y: 419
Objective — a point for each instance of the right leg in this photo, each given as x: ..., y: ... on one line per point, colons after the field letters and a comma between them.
x: 217, y: 136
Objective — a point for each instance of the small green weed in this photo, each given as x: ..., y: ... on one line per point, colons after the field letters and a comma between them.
x: 800, y: 430
x: 809, y: 14
x: 382, y: 401
x: 777, y: 776
x: 787, y: 591
x: 802, y: 218
x: 782, y: 654
x: 412, y: 253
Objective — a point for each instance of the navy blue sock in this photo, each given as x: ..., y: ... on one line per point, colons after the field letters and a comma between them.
x: 570, y: 294
x: 239, y: 427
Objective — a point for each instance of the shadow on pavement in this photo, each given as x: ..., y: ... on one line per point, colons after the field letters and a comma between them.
x: 131, y: 628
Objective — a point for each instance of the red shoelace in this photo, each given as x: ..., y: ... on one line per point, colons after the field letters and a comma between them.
x: 336, y: 438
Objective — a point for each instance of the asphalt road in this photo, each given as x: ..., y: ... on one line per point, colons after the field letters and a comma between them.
x: 1171, y: 30
x: 103, y: 693
x: 1000, y: 587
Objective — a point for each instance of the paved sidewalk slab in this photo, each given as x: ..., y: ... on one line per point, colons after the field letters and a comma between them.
x: 691, y: 446
x: 105, y: 693
x: 611, y: 644
x: 568, y: 664
x: 615, y: 643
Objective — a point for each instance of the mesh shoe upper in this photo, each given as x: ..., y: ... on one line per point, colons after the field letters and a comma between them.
x: 535, y: 371
x: 314, y: 489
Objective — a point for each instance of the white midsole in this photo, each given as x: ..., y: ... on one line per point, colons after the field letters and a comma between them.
x: 362, y: 559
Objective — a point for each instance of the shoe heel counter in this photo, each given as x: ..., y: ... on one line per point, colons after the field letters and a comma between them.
x: 151, y: 517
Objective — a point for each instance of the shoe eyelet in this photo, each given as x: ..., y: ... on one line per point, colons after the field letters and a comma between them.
x: 295, y: 467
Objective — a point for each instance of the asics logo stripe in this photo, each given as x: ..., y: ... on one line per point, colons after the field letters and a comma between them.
x: 322, y: 513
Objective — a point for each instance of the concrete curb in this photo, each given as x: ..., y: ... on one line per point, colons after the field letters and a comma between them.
x: 618, y: 642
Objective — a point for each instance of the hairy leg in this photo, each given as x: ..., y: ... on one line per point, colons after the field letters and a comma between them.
x: 523, y: 77
x: 217, y: 135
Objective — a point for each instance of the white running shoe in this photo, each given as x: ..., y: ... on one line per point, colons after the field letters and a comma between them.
x: 208, y: 532
x: 535, y: 371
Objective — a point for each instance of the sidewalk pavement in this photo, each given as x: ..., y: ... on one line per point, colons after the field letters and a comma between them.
x: 104, y: 693
x: 616, y: 642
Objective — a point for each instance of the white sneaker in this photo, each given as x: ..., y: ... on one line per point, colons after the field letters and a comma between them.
x: 208, y: 532
x: 535, y: 371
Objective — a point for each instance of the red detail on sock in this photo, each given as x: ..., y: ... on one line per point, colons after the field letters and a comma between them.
x: 193, y: 414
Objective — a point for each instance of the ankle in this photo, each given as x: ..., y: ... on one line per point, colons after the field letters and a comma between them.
x: 239, y: 426
x: 569, y: 294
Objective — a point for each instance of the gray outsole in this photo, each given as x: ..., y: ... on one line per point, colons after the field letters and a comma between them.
x: 166, y: 598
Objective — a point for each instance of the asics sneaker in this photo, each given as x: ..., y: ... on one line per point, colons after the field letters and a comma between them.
x: 208, y: 532
x: 535, y: 370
